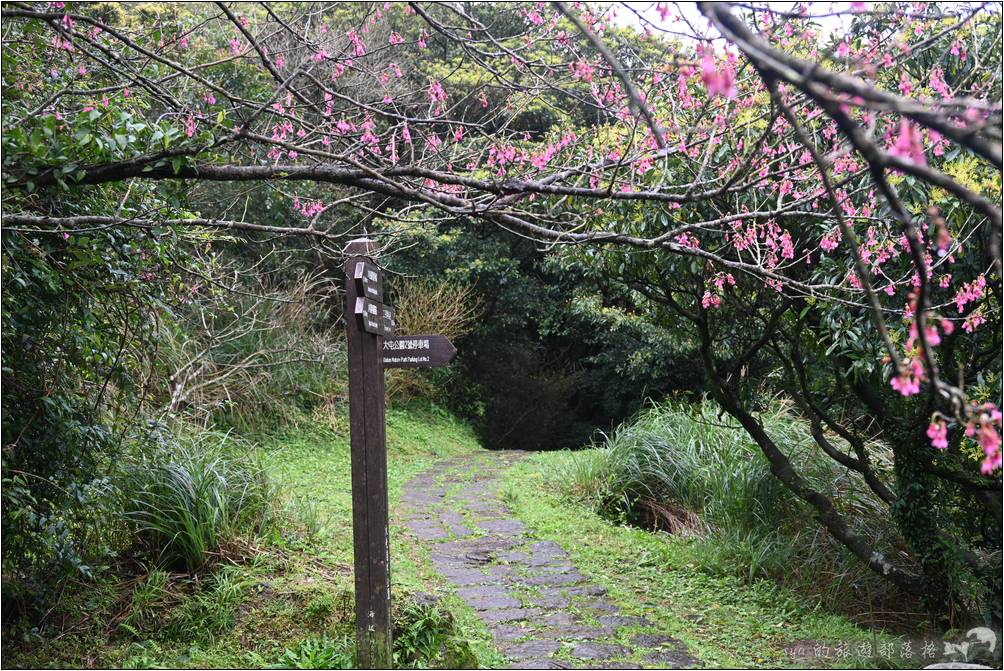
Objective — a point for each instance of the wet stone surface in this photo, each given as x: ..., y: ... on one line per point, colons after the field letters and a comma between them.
x: 542, y: 613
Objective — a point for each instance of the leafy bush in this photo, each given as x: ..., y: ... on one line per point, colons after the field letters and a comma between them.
x: 71, y: 350
x: 192, y: 499
x: 212, y: 610
x: 425, y: 636
x: 693, y: 471
x: 319, y: 653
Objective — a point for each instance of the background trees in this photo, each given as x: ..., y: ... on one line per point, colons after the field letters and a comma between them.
x: 803, y: 202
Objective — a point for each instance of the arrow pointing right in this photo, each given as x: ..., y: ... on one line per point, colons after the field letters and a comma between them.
x: 418, y: 351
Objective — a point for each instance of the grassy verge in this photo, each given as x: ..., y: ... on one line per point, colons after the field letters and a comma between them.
x: 724, y: 620
x: 276, y: 602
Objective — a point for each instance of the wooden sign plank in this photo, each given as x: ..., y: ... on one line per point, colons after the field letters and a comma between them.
x: 419, y: 351
x: 367, y: 426
x: 374, y: 317
x: 369, y: 280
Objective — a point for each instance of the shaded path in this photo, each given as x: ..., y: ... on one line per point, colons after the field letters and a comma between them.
x: 540, y: 610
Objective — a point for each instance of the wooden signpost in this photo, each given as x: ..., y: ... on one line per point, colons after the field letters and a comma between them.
x: 372, y: 346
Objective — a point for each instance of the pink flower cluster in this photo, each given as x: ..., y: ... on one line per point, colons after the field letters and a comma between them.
x: 720, y: 82
x: 911, y: 374
x: 985, y: 427
x: 908, y: 143
x: 308, y: 208
x: 937, y: 431
x: 581, y: 70
x: 830, y: 240
x: 358, y: 46
x: 714, y: 300
x: 931, y: 335
x: 971, y: 291
x: 541, y: 159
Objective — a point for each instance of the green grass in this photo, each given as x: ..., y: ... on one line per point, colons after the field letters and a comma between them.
x: 286, y: 602
x: 690, y: 470
x: 186, y: 499
x: 724, y: 619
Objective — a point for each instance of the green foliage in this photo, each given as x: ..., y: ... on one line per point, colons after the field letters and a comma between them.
x: 425, y: 636
x: 212, y: 610
x: 149, y: 599
x: 578, y: 363
x: 319, y: 653
x: 190, y: 500
x: 78, y: 332
x: 695, y: 472
x: 724, y: 620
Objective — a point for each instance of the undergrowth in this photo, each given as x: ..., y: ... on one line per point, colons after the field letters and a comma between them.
x: 694, y: 472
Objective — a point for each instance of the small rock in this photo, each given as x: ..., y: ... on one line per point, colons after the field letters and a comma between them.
x: 492, y: 601
x: 531, y: 649
x: 558, y: 620
x: 575, y: 632
x: 553, y: 601
x: 508, y: 614
x: 654, y: 641
x: 555, y: 579
x: 477, y: 591
x: 586, y: 590
x: 510, y: 632
x: 623, y: 621
x: 590, y: 650
x: 599, y: 606
x: 507, y: 527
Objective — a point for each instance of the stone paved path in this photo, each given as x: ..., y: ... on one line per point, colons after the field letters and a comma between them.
x: 543, y: 613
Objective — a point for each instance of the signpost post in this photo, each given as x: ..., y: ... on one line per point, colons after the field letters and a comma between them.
x: 372, y: 346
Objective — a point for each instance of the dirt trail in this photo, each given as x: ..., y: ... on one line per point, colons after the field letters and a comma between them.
x: 541, y: 611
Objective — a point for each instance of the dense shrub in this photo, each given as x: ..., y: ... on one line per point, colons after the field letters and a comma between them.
x: 693, y: 471
x: 548, y: 360
x: 78, y: 335
x: 253, y: 359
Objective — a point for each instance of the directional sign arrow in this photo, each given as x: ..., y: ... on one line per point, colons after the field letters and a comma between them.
x: 418, y: 351
x: 369, y: 280
x: 374, y: 317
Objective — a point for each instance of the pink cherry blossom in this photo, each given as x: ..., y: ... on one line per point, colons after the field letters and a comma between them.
x: 710, y: 300
x: 937, y: 431
x: 908, y: 143
x: 718, y: 81
x: 973, y: 321
x: 970, y: 292
x: 436, y: 92
x: 907, y: 381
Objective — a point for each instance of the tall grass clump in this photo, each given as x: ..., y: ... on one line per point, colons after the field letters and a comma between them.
x: 192, y: 500
x: 693, y: 471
